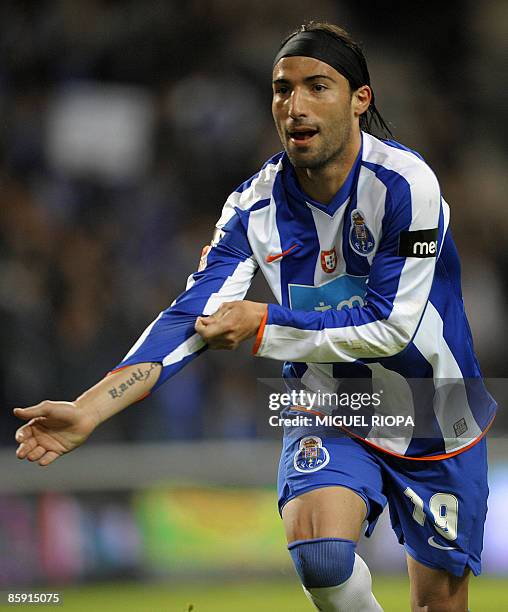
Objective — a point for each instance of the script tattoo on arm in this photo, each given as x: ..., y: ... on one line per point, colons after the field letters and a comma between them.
x: 137, y: 376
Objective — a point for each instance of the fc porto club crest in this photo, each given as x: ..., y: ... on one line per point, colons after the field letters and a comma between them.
x: 311, y: 455
x: 360, y: 237
x: 329, y: 260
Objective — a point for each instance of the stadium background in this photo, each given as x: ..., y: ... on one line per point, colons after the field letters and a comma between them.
x: 124, y: 125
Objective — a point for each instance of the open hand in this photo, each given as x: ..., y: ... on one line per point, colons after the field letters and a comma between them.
x: 53, y: 429
x: 231, y: 324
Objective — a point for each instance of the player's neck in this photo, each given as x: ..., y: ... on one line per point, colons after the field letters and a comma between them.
x: 322, y: 184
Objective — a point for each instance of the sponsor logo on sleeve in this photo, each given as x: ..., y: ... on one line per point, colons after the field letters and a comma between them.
x: 218, y: 233
x: 420, y: 243
x: 216, y: 237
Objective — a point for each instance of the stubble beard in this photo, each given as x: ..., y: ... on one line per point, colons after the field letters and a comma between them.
x: 328, y: 154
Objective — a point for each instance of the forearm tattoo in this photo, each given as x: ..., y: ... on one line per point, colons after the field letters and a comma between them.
x: 137, y: 376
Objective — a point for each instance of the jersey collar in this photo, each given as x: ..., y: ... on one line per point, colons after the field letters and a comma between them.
x: 293, y: 188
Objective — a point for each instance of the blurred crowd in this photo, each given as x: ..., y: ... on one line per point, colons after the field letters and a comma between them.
x: 125, y: 125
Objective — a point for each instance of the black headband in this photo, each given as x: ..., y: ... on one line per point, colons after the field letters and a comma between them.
x: 333, y: 51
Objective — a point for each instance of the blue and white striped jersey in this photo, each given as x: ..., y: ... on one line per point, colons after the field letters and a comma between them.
x: 367, y: 286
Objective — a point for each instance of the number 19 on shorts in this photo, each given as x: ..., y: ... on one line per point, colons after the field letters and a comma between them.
x: 444, y: 508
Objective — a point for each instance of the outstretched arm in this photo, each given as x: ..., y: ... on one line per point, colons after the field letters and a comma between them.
x: 167, y: 345
x: 56, y: 428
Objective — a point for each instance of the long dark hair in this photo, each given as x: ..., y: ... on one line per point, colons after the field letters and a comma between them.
x: 371, y: 121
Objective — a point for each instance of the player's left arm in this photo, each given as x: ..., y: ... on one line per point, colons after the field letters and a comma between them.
x: 399, y: 284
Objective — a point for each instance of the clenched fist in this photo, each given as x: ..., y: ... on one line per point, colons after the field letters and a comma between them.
x: 231, y: 324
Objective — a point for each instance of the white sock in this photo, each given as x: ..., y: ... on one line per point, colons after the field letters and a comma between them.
x: 354, y: 595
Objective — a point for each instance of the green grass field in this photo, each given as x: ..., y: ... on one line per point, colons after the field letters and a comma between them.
x: 487, y: 595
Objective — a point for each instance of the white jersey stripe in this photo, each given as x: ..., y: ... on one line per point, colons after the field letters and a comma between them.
x: 190, y: 346
x: 263, y: 235
x: 259, y: 189
x: 450, y: 403
x: 234, y: 288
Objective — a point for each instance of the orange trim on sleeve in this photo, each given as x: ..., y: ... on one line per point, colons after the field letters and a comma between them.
x: 261, y: 331
x: 430, y: 458
x: 118, y: 369
x: 307, y: 410
x: 142, y: 397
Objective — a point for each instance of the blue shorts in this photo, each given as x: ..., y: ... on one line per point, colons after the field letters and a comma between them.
x: 437, y: 508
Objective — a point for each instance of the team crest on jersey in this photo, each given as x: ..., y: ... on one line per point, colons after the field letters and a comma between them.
x: 329, y: 260
x: 360, y: 237
x: 311, y: 455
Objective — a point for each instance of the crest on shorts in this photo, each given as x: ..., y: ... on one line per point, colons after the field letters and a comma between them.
x: 329, y: 260
x: 311, y: 455
x: 360, y: 237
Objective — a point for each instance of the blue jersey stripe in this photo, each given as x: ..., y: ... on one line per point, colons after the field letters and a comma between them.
x: 356, y: 264
x: 299, y: 268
